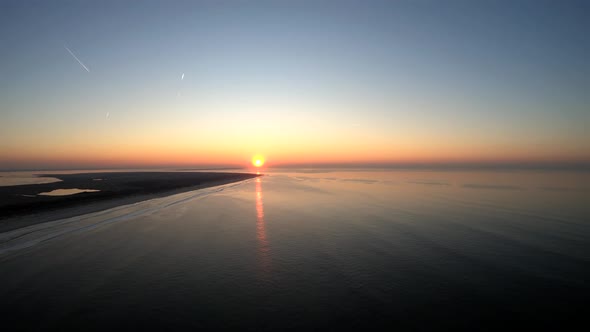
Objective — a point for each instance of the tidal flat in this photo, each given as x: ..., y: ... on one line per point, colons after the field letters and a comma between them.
x: 28, y: 204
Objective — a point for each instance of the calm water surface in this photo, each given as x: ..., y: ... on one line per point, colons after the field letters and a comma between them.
x: 417, y: 250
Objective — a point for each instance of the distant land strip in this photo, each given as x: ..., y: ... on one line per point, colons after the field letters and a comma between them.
x: 21, y: 206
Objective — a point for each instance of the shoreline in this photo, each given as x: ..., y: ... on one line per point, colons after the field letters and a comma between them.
x: 69, y: 208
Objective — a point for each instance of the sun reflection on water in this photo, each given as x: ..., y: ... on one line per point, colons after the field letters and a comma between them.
x: 263, y: 248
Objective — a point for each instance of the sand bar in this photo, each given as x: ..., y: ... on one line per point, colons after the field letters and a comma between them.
x: 22, y: 206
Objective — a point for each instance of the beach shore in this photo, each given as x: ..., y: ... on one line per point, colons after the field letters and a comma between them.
x: 22, y: 206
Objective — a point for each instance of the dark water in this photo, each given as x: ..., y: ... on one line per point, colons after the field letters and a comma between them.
x: 315, y: 250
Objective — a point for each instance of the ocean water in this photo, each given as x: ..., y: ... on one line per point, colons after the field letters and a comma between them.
x: 315, y: 250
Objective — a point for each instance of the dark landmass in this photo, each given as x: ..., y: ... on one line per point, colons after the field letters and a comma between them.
x: 209, y: 169
x: 18, y: 209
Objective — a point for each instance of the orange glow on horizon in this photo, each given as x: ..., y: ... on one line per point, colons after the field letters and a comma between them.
x: 223, y: 152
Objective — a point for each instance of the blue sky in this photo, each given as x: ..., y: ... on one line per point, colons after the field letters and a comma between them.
x: 478, y: 80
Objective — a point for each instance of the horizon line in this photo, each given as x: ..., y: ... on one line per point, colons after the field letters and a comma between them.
x: 551, y: 165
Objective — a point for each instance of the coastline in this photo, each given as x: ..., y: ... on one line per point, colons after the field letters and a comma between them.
x: 71, y: 208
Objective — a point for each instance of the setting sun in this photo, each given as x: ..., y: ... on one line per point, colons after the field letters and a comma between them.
x: 258, y: 161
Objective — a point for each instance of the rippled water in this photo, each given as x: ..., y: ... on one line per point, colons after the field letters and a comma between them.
x: 315, y: 249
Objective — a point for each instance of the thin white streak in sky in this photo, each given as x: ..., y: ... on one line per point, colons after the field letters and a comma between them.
x: 75, y: 57
x: 182, y: 77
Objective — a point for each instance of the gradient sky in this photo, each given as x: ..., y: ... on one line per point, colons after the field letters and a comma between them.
x: 301, y: 82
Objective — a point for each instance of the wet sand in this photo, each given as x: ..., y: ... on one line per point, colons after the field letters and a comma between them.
x: 22, y: 206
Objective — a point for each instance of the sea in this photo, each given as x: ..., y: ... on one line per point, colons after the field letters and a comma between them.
x: 314, y: 249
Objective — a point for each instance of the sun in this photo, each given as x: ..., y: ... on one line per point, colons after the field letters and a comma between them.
x: 258, y: 161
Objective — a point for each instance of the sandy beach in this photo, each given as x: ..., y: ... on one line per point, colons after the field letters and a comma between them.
x: 22, y: 206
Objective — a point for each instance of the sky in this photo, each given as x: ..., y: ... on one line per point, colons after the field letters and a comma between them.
x: 213, y: 83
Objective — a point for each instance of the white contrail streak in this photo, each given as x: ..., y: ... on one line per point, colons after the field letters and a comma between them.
x: 75, y: 57
x: 182, y: 77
